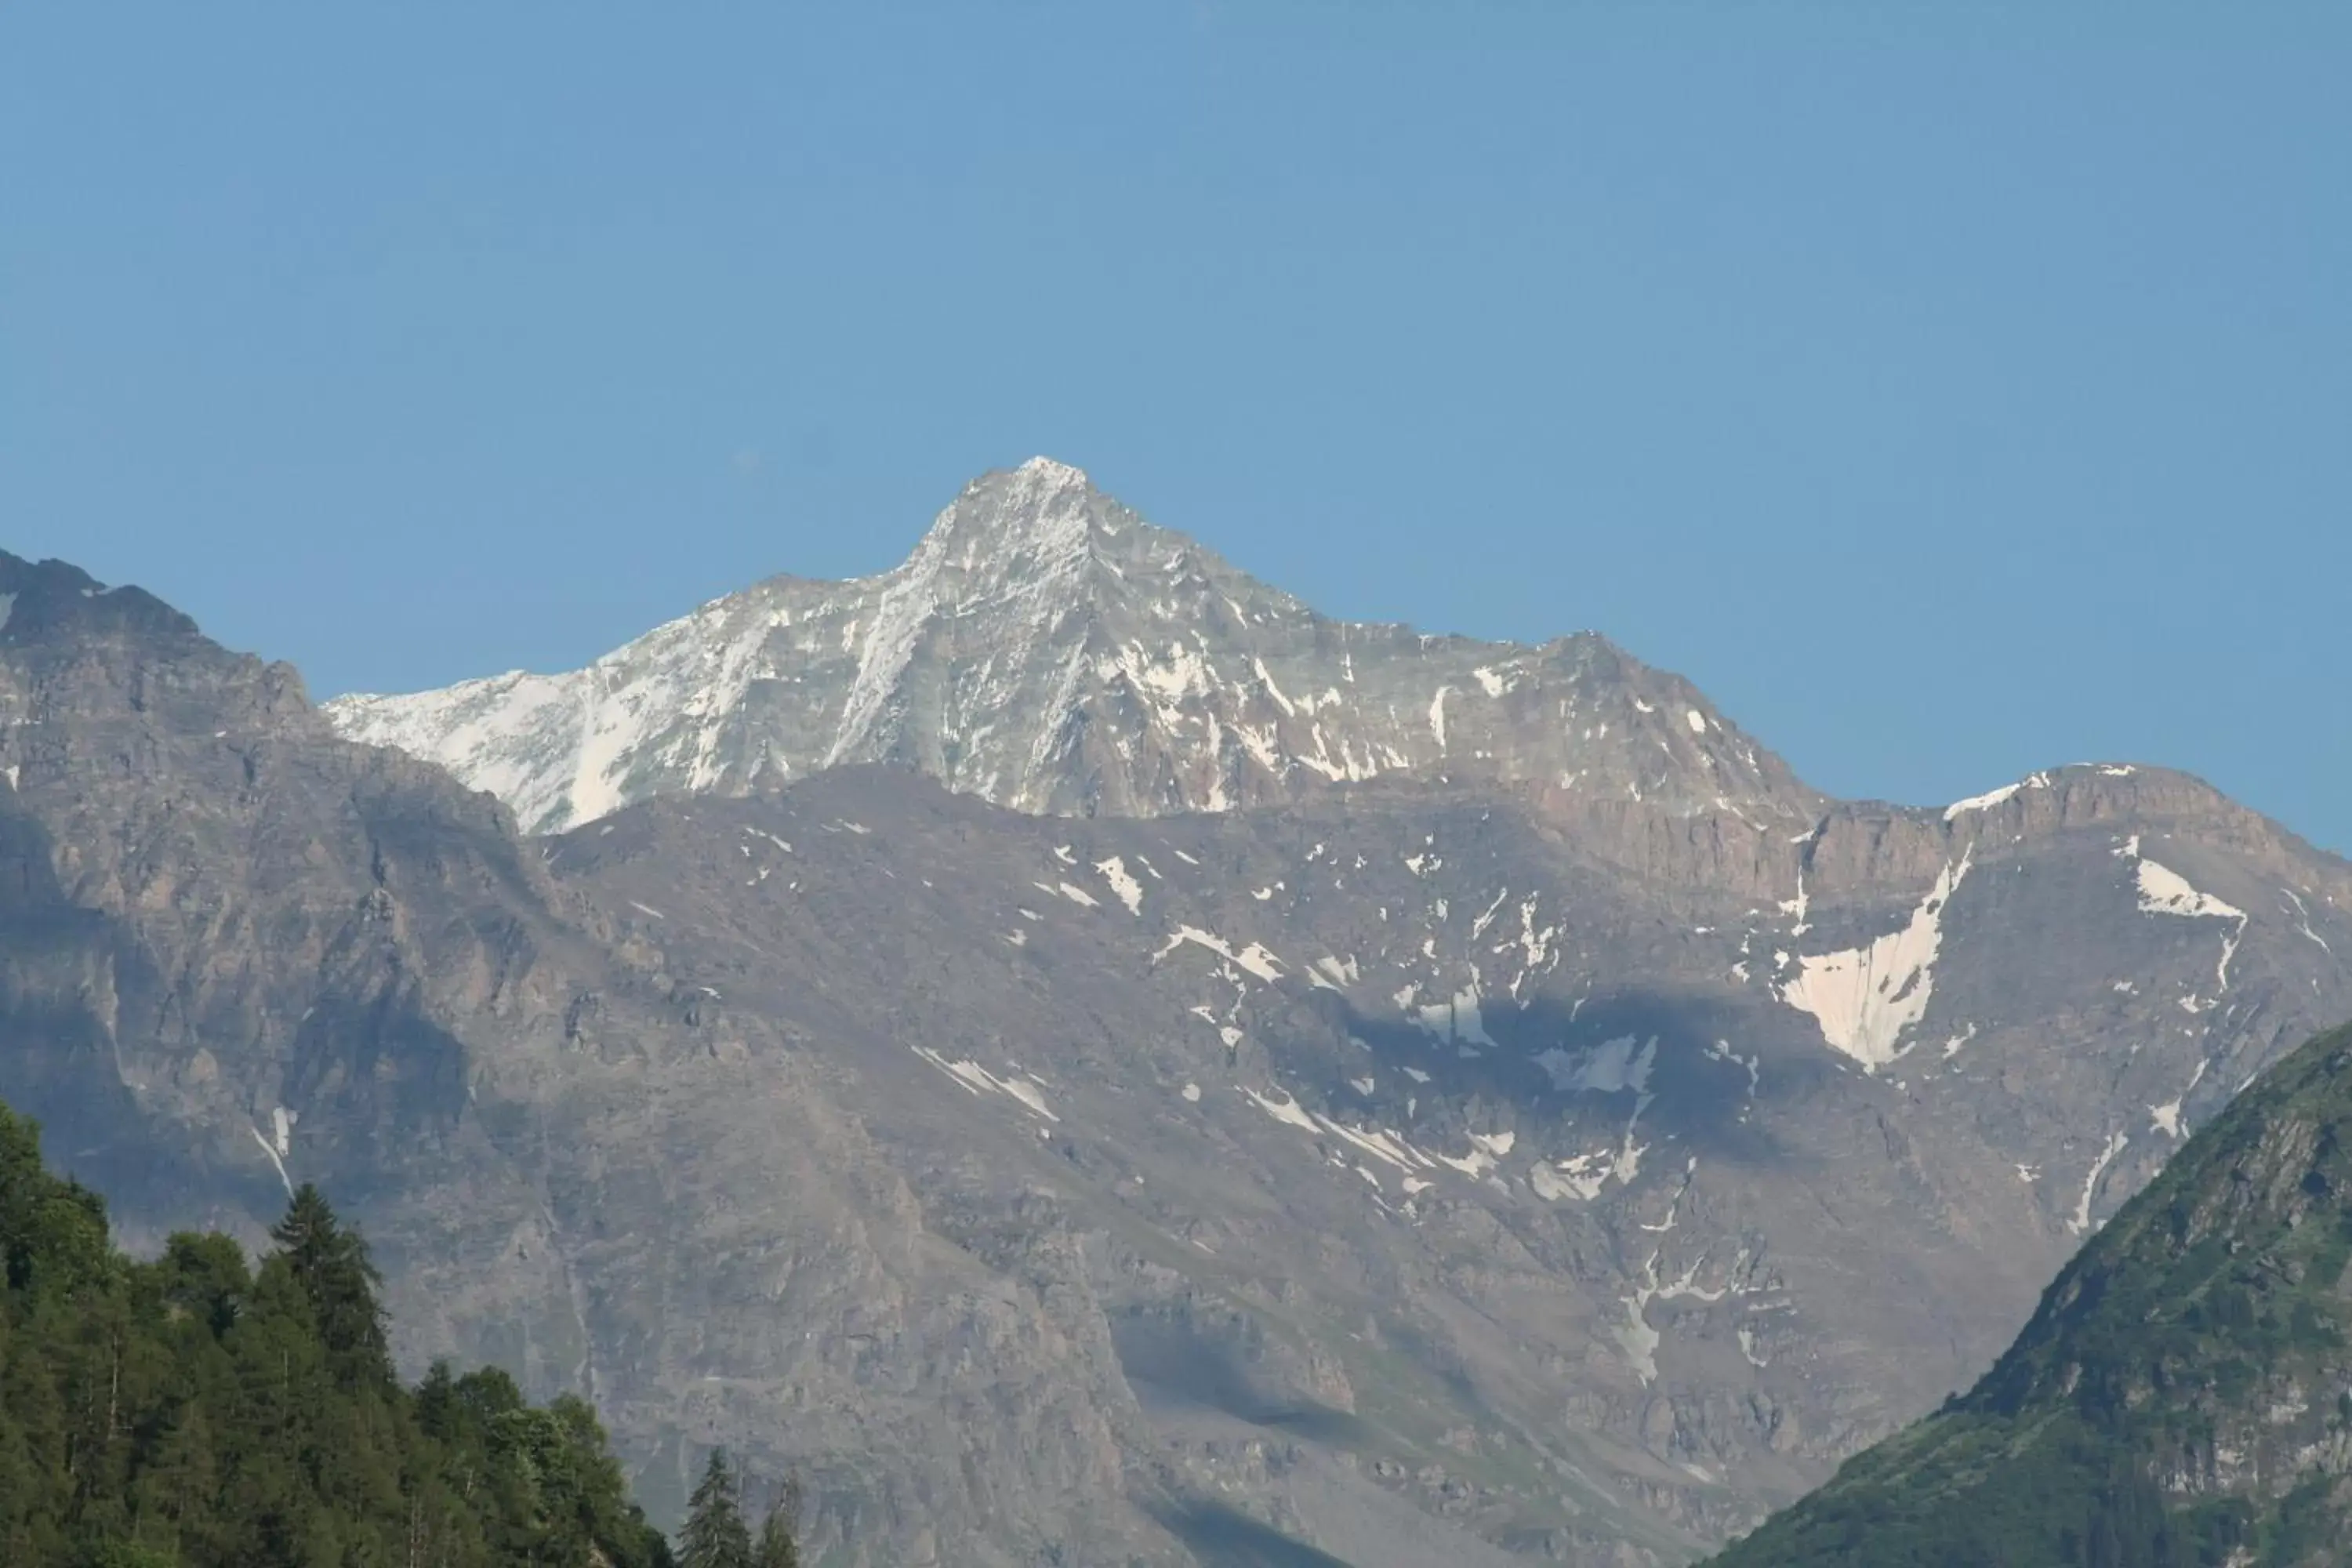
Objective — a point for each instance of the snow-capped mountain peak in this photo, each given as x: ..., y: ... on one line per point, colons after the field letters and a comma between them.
x: 1047, y: 648
x: 1044, y: 514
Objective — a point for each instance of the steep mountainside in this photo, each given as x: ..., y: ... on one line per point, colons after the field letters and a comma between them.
x: 1046, y: 649
x: 2182, y: 1397
x: 1447, y: 1165
x: 236, y: 952
x: 1404, y: 1108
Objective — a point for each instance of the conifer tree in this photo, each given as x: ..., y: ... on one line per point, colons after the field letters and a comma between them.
x: 715, y: 1534
x: 777, y: 1548
x: 199, y: 1412
x: 332, y: 1266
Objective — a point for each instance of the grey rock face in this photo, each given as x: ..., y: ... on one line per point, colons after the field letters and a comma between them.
x: 1047, y: 649
x: 1461, y: 1163
x: 1408, y: 1140
x: 236, y: 951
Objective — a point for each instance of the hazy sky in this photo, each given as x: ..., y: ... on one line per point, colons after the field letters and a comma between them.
x: 1949, y: 389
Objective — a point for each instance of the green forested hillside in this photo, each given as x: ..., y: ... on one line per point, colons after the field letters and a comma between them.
x: 203, y: 1411
x: 2182, y: 1397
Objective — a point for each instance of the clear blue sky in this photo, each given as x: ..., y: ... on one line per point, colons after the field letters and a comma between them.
x: 1949, y: 389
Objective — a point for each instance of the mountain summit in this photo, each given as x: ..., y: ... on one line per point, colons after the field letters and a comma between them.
x: 1046, y: 648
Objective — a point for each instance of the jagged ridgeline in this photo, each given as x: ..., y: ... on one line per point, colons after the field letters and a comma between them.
x: 2182, y: 1397
x: 200, y: 1410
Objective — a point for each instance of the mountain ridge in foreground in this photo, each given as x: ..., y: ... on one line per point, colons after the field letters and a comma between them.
x: 2181, y: 1398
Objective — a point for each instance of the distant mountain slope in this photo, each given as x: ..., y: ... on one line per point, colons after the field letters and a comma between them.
x: 1046, y: 649
x: 1438, y: 1168
x: 1408, y: 1106
x: 2183, y: 1396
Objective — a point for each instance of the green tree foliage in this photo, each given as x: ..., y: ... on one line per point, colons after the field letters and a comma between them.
x: 203, y: 1411
x: 2207, y: 1306
x: 776, y: 1547
x: 331, y: 1266
x: 715, y: 1535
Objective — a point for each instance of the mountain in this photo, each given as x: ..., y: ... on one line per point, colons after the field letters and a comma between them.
x: 1046, y: 649
x: 2181, y: 1396
x: 238, y: 953
x: 1465, y: 1162
x: 1464, y: 1166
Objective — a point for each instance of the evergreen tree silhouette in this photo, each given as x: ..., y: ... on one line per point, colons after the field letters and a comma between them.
x: 715, y: 1535
x: 332, y: 1266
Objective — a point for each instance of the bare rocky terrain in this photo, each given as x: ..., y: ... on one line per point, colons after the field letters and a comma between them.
x: 1088, y: 1062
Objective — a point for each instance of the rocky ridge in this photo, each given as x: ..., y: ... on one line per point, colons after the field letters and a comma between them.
x: 1046, y: 649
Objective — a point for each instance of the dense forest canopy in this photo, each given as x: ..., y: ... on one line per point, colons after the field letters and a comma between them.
x: 205, y: 1410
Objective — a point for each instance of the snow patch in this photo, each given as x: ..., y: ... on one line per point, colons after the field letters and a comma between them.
x: 979, y: 1081
x: 1639, y: 1339
x: 1865, y: 998
x: 1341, y: 972
x: 1129, y: 890
x: 2080, y: 1221
x: 1479, y: 926
x: 1285, y: 1110
x: 1486, y: 1152
x: 1457, y: 1019
x: 2301, y: 915
x: 2164, y: 891
x: 1721, y: 1051
x: 1612, y: 1066
x: 1254, y: 958
x: 1267, y: 681
x: 2166, y: 1118
x: 1991, y: 798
